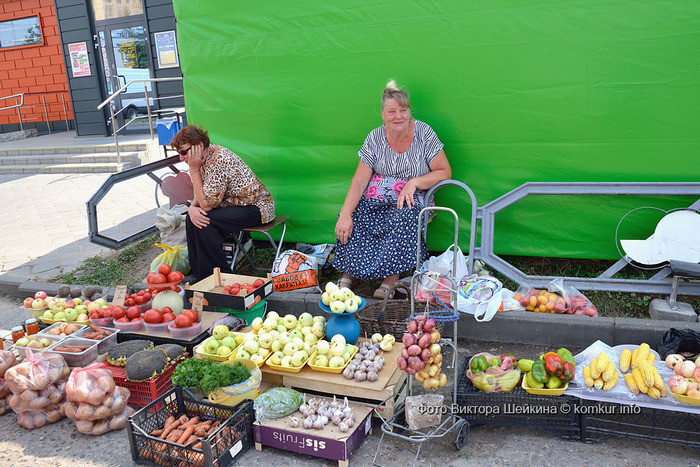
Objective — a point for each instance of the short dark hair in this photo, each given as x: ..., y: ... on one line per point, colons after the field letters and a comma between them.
x: 191, y: 135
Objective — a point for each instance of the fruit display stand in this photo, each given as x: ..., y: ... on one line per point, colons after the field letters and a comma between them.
x: 518, y: 408
x: 328, y: 443
x: 164, y: 336
x: 212, y: 288
x: 391, y: 381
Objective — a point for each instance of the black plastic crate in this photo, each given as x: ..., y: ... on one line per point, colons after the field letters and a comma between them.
x: 603, y: 420
x: 220, y: 449
x: 158, y: 340
x: 556, y: 414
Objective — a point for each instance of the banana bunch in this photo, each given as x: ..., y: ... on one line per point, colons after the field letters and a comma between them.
x: 601, y: 374
x: 643, y: 377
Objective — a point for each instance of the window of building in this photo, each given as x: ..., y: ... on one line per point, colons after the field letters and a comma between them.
x: 19, y: 32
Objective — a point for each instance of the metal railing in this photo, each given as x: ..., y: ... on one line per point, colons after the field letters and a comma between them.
x: 114, y: 95
x: 19, y: 103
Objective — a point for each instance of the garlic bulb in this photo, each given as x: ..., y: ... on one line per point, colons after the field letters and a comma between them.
x: 343, y: 427
x: 293, y: 422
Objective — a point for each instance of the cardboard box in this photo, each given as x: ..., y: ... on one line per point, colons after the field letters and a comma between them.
x: 329, y: 443
x: 213, y: 285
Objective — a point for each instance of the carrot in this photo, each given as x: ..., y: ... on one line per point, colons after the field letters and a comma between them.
x: 183, y: 418
x: 191, y: 422
x: 174, y: 435
x: 198, y: 445
x: 171, y: 427
x: 186, y: 434
x: 156, y: 432
x: 168, y: 421
x: 201, y: 432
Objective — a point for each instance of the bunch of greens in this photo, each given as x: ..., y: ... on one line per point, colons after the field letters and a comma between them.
x: 207, y: 375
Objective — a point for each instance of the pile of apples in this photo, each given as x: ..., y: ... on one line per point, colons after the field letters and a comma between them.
x: 222, y: 341
x: 340, y: 299
x: 421, y: 355
x: 33, y: 341
x: 334, y: 354
x: 281, y: 337
x: 60, y: 309
x: 386, y: 342
x: 686, y: 381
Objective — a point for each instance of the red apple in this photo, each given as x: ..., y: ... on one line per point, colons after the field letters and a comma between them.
x: 28, y: 302
x: 41, y: 294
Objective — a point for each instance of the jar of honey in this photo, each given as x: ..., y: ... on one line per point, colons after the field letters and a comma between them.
x: 31, y: 326
x: 17, y: 333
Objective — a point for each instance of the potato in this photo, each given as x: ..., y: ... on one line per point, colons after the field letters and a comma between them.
x: 63, y: 291
x: 76, y: 292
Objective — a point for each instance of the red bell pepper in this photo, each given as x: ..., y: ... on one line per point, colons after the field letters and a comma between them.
x: 552, y: 363
x: 567, y: 373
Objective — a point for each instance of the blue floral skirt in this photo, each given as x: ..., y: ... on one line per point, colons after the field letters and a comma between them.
x: 383, y: 241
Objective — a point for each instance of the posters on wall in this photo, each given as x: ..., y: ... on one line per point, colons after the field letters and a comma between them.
x: 166, y: 47
x: 79, y: 59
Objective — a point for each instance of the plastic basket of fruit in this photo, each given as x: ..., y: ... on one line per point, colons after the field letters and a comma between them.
x: 211, y: 349
x: 544, y: 391
x: 289, y: 363
x: 331, y: 365
x: 63, y: 329
x: 129, y: 326
x: 76, y: 352
x: 36, y: 342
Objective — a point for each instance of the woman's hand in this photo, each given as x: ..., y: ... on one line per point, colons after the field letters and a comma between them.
x: 343, y: 229
x: 196, y: 157
x: 198, y: 216
x: 406, y: 195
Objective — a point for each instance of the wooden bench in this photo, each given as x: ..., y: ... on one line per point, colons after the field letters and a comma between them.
x: 264, y: 229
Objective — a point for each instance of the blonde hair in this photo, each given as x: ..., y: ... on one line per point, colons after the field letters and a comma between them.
x: 392, y: 91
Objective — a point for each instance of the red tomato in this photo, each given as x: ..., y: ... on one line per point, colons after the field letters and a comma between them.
x: 258, y: 283
x: 227, y: 289
x: 150, y: 276
x: 166, y: 309
x: 123, y: 319
x: 168, y: 317
x: 147, y: 295
x: 175, y: 276
x: 177, y: 289
x: 133, y: 312
x: 94, y: 314
x: 152, y: 316
x: 118, y: 312
x: 129, y: 302
x: 183, y: 320
x: 164, y: 269
x: 140, y: 300
x: 192, y: 314
x: 142, y: 292
x: 105, y: 313
x: 172, y: 287
x: 157, y: 278
x: 135, y: 319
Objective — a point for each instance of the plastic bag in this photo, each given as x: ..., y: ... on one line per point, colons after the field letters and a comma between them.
x: 175, y: 256
x: 36, y: 372
x: 495, y: 379
x: 681, y: 341
x: 90, y: 385
x: 480, y: 296
x: 443, y: 264
x: 423, y: 411
x: 111, y: 405
x: 294, y: 270
x: 7, y: 360
x: 102, y: 426
x: 577, y: 303
x: 171, y: 224
x: 275, y: 403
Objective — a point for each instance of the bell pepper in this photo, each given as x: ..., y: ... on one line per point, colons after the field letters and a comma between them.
x: 532, y: 382
x: 553, y: 364
x: 513, y: 359
x: 479, y: 364
x: 567, y: 372
x: 566, y: 356
x: 553, y: 382
x: 542, y: 357
x: 495, y: 362
x: 539, y: 373
x: 509, y: 380
x: 525, y: 364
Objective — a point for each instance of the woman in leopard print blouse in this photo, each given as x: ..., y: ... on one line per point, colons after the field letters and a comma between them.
x: 228, y: 197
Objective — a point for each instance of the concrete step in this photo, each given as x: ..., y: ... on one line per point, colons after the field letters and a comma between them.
x: 72, y: 159
x: 95, y: 167
x: 91, y: 149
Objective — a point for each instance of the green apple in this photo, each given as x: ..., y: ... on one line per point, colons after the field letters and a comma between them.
x: 337, y: 350
x: 298, y: 341
x: 263, y: 352
x: 60, y: 315
x: 239, y: 338
x: 284, y: 338
x: 82, y: 318
x: 276, y: 346
x: 298, y: 358
x: 229, y: 342
x: 336, y: 362
x: 243, y: 354
x: 266, y: 340
x: 310, y: 338
x: 22, y: 342
x: 321, y: 360
x: 295, y: 333
x: 281, y: 328
x: 212, y: 345
x: 274, y: 333
x: 337, y: 296
x: 77, y: 301
x: 71, y: 314
x: 318, y: 329
x: 273, y: 315
x: 308, y: 348
x: 351, y: 305
x: 323, y: 347
x: 306, y: 330
x: 224, y: 350
x: 326, y: 298
x: 276, y: 358
x: 338, y: 338
x: 269, y: 324
x: 220, y: 331
x: 101, y: 301
x: 347, y: 293
x: 257, y: 323
x: 290, y: 348
x: 289, y: 321
x: 331, y: 286
x: 251, y: 346
x: 286, y: 361
x: 257, y: 358
x: 320, y: 319
x: 306, y: 319
x: 48, y: 314
x: 338, y: 307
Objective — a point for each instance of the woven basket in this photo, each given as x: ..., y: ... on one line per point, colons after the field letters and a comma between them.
x: 390, y: 315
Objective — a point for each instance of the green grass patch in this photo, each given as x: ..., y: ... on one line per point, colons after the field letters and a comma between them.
x: 118, y: 268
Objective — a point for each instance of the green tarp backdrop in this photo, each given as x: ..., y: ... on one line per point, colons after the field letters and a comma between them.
x: 533, y: 90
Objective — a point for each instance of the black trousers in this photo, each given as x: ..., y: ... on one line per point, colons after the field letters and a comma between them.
x: 205, y: 246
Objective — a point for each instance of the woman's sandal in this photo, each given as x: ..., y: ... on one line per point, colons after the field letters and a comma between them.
x: 383, y: 292
x: 347, y: 282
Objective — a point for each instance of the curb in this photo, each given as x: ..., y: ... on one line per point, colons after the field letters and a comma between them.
x: 517, y: 327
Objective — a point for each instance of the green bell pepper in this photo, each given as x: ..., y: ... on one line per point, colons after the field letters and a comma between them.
x: 566, y: 356
x: 495, y: 362
x: 553, y: 382
x: 479, y: 364
x: 525, y: 364
x: 539, y: 373
x: 532, y: 382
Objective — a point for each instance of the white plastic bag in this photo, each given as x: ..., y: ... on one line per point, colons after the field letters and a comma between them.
x: 443, y: 263
x: 171, y: 224
x: 480, y: 296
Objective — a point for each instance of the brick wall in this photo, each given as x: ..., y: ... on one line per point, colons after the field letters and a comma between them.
x: 37, y: 70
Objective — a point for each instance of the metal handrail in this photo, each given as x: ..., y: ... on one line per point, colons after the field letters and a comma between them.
x: 148, y: 106
x: 17, y: 106
x: 43, y: 100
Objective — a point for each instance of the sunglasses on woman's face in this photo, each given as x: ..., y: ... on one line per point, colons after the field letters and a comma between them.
x: 183, y: 152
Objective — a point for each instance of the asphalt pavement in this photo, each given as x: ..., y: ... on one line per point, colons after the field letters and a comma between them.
x: 44, y: 232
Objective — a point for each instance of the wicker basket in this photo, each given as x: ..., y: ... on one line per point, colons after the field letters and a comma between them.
x: 390, y: 315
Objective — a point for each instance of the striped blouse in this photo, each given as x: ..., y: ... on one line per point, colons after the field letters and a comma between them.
x: 378, y: 155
